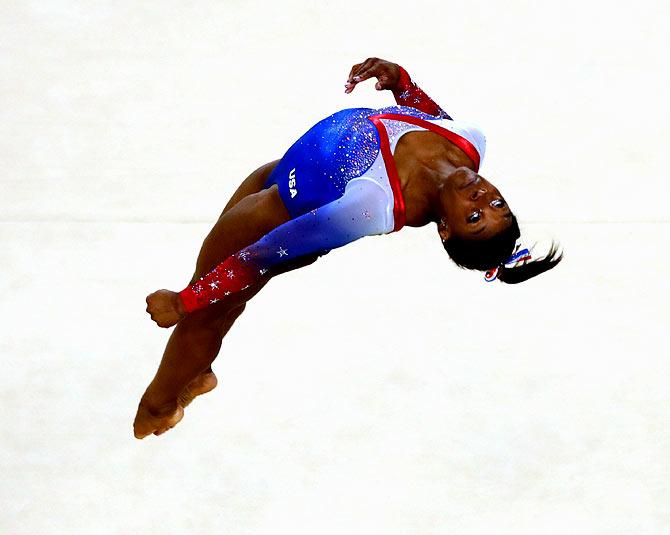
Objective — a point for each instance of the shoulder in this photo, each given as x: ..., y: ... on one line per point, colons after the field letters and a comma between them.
x: 470, y: 131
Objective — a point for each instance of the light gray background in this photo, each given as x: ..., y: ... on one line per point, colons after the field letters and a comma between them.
x: 381, y: 390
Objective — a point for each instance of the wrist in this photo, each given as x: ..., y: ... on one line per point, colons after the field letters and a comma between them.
x: 179, y: 305
x: 186, y: 301
x: 404, y: 82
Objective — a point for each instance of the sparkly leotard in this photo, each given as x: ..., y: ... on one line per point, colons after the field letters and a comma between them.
x: 339, y: 183
x: 357, y: 144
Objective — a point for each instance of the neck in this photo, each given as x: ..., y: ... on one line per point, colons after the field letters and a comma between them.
x: 424, y: 160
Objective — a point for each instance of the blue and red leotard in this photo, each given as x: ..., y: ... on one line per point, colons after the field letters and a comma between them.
x: 339, y: 183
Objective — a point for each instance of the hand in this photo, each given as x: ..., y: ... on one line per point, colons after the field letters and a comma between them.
x: 387, y: 74
x: 165, y: 308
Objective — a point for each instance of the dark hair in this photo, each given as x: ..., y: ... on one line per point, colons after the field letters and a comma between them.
x: 492, y: 252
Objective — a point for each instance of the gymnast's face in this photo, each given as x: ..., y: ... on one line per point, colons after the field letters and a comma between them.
x: 472, y: 207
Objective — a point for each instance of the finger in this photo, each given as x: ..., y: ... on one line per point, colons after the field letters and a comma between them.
x: 358, y: 68
x: 383, y: 82
x: 349, y: 87
x: 370, y: 72
x: 363, y: 72
x: 353, y: 71
x: 367, y: 64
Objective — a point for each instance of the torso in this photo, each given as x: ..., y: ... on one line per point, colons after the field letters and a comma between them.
x: 419, y: 149
x: 422, y: 160
x: 397, y: 147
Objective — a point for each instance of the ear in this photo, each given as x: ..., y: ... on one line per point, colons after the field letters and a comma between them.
x: 443, y: 230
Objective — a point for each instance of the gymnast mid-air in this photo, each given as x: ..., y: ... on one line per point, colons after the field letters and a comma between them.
x: 356, y: 173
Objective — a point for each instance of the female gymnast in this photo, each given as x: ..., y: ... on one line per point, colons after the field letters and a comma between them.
x: 359, y: 172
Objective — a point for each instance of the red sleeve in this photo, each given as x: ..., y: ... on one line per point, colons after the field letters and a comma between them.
x: 407, y: 93
x: 232, y: 275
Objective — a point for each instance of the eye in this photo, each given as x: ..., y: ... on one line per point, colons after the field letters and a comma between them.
x: 474, y: 217
x: 497, y: 203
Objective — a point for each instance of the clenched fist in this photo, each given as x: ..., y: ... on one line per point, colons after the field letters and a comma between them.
x: 165, y: 308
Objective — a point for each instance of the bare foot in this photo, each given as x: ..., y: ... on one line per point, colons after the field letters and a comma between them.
x: 148, y: 421
x: 157, y: 421
x: 203, y: 383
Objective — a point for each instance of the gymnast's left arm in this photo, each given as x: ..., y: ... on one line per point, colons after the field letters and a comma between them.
x: 393, y: 77
x: 363, y: 210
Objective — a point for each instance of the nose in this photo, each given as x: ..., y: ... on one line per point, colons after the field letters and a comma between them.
x: 477, y: 193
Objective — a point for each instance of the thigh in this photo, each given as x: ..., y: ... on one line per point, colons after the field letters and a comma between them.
x: 254, y: 183
x: 251, y: 185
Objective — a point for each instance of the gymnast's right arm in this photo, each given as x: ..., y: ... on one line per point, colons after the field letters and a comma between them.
x: 363, y: 210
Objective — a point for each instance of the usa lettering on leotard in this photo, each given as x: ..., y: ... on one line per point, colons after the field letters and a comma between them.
x: 291, y: 183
